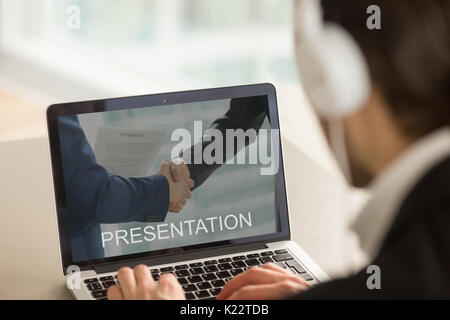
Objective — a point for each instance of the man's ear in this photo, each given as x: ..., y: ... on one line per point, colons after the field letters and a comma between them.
x: 355, y: 116
x: 357, y: 127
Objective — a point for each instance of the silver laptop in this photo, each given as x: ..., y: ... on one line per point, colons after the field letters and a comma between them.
x: 115, y: 206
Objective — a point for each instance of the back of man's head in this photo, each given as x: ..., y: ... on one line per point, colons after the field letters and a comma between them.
x: 408, y: 57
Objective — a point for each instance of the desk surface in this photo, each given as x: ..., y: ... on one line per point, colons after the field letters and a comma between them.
x: 30, y: 267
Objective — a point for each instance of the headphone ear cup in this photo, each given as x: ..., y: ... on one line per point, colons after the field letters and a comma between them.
x: 333, y: 72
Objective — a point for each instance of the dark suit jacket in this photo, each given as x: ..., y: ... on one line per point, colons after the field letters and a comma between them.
x: 95, y: 196
x: 415, y: 256
x: 244, y: 113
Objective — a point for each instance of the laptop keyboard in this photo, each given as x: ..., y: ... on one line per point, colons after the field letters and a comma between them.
x: 205, y: 279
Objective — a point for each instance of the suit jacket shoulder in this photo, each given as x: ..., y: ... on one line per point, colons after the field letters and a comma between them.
x: 414, y: 258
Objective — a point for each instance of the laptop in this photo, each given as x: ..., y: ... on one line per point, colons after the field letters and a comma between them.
x: 114, y: 202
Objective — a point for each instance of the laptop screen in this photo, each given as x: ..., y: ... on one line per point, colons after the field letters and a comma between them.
x: 123, y: 198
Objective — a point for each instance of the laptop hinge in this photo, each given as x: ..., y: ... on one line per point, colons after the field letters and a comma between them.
x: 171, y: 258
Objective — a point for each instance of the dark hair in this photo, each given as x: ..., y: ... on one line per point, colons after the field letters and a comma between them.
x: 408, y: 58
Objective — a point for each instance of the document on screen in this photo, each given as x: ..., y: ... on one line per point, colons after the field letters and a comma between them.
x: 128, y: 152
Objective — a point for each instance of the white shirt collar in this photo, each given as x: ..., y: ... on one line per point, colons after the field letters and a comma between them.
x: 391, y: 187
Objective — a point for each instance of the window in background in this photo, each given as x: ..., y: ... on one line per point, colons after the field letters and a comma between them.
x: 149, y: 45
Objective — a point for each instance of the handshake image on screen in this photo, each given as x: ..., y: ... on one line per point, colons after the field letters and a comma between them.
x: 180, y: 183
x: 96, y: 195
x: 185, y: 176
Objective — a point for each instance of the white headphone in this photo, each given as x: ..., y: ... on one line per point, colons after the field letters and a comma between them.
x: 332, y: 68
x: 333, y: 72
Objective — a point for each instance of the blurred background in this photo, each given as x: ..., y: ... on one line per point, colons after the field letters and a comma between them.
x: 63, y: 50
x: 129, y: 47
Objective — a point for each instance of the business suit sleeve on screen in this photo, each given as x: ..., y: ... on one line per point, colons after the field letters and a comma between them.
x: 94, y: 195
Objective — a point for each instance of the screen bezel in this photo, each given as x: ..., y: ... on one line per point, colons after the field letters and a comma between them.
x: 152, y: 100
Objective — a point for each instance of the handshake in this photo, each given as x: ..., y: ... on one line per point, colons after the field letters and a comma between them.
x: 180, y: 183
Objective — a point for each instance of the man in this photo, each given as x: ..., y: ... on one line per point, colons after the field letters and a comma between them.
x: 398, y: 143
x: 95, y: 196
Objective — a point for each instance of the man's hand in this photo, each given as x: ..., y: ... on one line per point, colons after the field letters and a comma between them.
x: 179, y: 190
x: 267, y: 282
x: 138, y: 284
x: 180, y: 172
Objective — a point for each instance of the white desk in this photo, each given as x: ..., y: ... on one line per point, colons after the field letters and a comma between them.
x: 29, y: 247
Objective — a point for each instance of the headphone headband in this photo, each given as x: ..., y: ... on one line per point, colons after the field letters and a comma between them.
x: 332, y: 68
